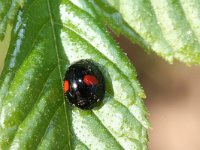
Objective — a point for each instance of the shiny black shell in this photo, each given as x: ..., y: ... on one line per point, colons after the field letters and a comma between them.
x: 77, y: 92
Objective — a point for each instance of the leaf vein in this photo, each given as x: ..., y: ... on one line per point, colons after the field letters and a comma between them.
x: 42, y: 138
x: 58, y: 61
x: 101, y: 123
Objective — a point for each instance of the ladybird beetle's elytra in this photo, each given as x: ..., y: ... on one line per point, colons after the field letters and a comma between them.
x: 84, y: 84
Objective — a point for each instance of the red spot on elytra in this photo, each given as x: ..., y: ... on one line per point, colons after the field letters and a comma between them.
x: 90, y: 80
x: 66, y: 86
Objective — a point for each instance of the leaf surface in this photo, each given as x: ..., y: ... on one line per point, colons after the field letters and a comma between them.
x: 47, y: 37
x: 170, y: 28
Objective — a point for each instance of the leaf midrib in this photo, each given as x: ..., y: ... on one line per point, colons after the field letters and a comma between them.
x: 58, y: 61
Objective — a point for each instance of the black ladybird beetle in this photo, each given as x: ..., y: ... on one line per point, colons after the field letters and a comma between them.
x: 84, y: 84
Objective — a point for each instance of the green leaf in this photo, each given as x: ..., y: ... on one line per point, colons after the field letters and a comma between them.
x: 112, y: 18
x: 171, y: 28
x: 48, y: 36
x: 8, y: 11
